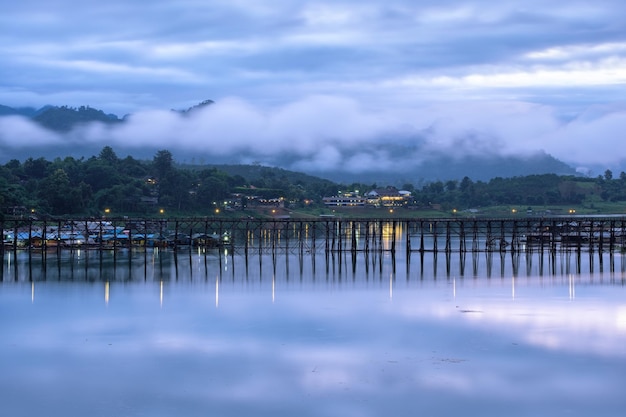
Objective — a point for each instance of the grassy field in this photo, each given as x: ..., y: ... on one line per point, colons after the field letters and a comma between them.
x: 492, y: 211
x: 595, y: 208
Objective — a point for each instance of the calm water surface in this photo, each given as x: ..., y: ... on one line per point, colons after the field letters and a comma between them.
x: 214, y: 334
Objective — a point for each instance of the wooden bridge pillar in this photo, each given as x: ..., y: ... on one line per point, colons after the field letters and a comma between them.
x: 408, y: 238
x: 422, y: 236
x: 393, y: 236
x: 448, y: 237
x: 367, y: 236
x: 462, y: 244
x: 475, y: 243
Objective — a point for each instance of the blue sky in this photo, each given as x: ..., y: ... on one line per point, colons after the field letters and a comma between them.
x: 521, y: 75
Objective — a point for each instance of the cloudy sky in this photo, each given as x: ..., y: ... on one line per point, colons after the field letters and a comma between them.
x: 316, y: 78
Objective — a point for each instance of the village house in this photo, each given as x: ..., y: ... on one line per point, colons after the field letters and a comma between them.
x: 345, y: 200
x: 388, y: 197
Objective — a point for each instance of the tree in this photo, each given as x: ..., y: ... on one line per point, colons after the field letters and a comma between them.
x: 466, y: 182
x: 108, y: 155
x: 608, y: 175
x: 36, y: 168
x: 56, y: 192
x: 162, y: 163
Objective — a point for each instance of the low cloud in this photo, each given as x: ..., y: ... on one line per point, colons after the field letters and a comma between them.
x: 321, y: 133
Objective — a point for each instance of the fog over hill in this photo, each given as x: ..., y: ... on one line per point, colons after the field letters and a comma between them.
x: 327, y: 136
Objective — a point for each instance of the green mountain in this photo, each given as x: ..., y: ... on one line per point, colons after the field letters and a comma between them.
x: 22, y: 111
x: 63, y: 119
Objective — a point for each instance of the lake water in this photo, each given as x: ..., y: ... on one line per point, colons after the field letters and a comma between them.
x: 218, y: 334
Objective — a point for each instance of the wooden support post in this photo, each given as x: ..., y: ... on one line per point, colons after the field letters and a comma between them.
x: 353, y: 242
x: 422, y: 236
x: 553, y: 236
x: 301, y: 238
x: 313, y: 237
x: 475, y: 244
x: 591, y: 237
x: 502, y: 243
x: 408, y: 239
x: 601, y: 238
x: 514, y: 240
x: 579, y: 239
x: 611, y: 235
x: 462, y: 243
x: 286, y: 231
x: 541, y: 234
x: 340, y: 235
x: 367, y: 236
x: 176, y: 236
x: 489, y: 242
x: 15, y: 231
x: 393, y: 237
x: 30, y: 235
x: 448, y: 237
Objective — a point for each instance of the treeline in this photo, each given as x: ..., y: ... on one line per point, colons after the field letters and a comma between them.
x: 531, y: 190
x: 127, y: 186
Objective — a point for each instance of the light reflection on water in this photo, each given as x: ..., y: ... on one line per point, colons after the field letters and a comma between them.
x: 152, y: 334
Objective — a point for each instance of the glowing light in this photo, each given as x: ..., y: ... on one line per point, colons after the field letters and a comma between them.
x: 106, y: 292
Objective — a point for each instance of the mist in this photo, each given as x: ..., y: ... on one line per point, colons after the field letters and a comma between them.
x: 322, y: 133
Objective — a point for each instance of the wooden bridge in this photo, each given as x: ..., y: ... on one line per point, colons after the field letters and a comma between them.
x: 317, y: 234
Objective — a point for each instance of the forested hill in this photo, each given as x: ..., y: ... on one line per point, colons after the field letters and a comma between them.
x: 63, y: 119
x: 255, y: 172
x: 443, y: 167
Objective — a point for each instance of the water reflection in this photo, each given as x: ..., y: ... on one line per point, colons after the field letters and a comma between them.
x: 351, y: 334
x: 165, y: 265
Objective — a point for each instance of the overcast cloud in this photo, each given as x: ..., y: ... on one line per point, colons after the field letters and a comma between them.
x: 319, y: 79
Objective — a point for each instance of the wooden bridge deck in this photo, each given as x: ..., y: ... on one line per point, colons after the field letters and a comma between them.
x: 327, y: 234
